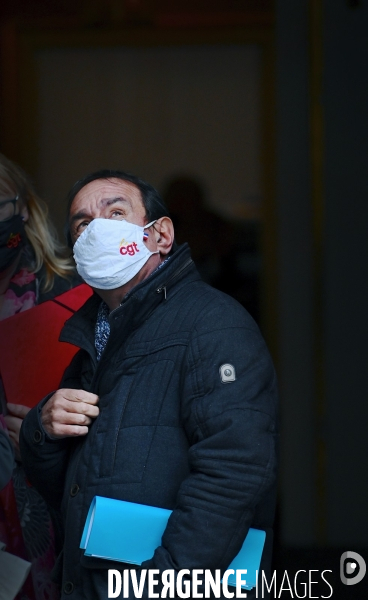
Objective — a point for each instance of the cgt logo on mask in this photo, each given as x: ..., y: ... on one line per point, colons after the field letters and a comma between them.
x: 130, y: 249
x: 352, y: 568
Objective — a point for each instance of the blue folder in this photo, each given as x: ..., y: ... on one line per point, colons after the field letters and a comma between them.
x: 130, y: 533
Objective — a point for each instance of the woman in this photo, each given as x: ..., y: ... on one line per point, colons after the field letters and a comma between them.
x: 33, y: 268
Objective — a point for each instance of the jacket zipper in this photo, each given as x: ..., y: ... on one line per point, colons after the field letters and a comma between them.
x: 173, y: 276
x: 158, y: 291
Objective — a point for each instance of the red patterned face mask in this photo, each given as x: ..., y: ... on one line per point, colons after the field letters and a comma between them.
x: 12, y: 239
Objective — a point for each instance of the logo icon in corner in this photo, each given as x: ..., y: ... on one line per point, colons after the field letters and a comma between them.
x: 351, y: 563
x: 227, y: 373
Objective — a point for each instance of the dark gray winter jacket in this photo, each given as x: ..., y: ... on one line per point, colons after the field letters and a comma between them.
x: 172, y: 431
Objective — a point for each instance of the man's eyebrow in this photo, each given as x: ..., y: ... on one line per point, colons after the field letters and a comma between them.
x: 79, y: 215
x: 110, y: 201
x: 105, y: 202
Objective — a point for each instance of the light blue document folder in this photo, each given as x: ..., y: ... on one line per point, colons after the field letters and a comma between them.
x: 130, y: 533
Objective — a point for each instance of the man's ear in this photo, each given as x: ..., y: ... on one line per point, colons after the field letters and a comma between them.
x: 164, y: 235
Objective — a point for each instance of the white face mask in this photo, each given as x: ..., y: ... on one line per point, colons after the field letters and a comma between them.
x: 109, y: 253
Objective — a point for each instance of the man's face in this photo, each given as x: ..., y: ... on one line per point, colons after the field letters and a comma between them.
x: 106, y: 199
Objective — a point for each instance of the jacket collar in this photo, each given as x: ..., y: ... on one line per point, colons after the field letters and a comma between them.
x: 136, y: 306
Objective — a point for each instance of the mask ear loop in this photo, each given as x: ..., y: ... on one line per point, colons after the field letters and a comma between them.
x: 145, y: 233
x: 149, y: 224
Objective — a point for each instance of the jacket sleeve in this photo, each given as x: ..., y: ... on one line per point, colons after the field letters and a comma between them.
x: 231, y: 427
x: 45, y: 459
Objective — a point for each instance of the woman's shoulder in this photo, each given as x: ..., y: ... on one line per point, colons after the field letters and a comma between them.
x: 60, y: 285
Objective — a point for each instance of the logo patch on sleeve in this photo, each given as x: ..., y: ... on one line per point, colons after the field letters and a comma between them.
x: 227, y: 373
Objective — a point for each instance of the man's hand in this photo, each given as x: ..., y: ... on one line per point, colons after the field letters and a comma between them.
x: 68, y: 413
x: 14, y: 420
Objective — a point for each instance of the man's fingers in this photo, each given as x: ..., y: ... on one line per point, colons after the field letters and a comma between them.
x: 82, y: 408
x: 68, y: 413
x: 79, y: 396
x: 69, y: 418
x: 18, y: 410
x: 61, y: 430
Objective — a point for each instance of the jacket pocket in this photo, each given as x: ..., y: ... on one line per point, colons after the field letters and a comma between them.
x: 129, y: 421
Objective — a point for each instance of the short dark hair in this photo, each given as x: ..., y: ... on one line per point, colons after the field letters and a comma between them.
x: 154, y: 205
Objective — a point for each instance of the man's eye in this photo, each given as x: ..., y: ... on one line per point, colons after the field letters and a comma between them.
x: 82, y: 225
x: 117, y: 214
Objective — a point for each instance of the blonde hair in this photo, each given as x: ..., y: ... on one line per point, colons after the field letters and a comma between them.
x: 41, y: 233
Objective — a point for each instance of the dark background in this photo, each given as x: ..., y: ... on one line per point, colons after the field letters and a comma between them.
x: 303, y: 267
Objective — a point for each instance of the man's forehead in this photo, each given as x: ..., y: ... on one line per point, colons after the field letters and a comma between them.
x: 103, y: 192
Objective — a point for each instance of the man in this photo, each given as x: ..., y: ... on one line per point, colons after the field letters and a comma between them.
x: 170, y: 402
